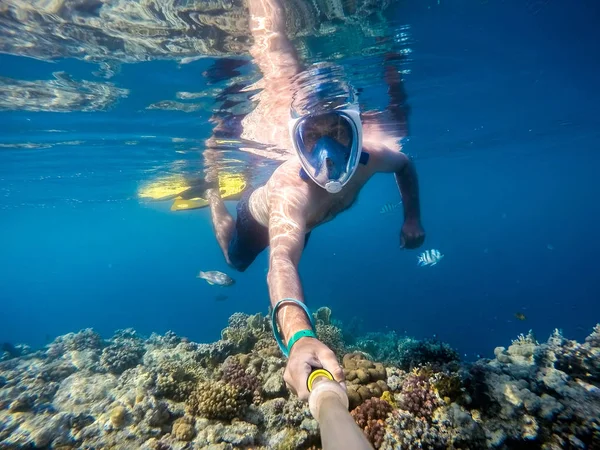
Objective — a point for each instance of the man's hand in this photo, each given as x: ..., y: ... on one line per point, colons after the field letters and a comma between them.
x: 306, y: 355
x: 412, y: 234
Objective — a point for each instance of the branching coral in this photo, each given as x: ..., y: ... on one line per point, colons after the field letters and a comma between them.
x: 404, y: 430
x: 176, y: 380
x: 332, y: 337
x: 169, y: 339
x: 447, y: 385
x: 118, y: 357
x: 294, y: 412
x: 593, y: 340
x: 267, y: 346
x: 418, y: 395
x: 217, y: 400
x: 211, y: 355
x: 248, y: 384
x: 86, y: 339
x: 371, y: 416
x: 579, y: 360
x: 244, y: 331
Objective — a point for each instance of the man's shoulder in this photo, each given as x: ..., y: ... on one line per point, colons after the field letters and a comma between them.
x: 287, y: 175
x: 287, y: 186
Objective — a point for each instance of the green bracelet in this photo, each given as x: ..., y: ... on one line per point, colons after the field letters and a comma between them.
x: 299, y: 335
x: 275, y: 328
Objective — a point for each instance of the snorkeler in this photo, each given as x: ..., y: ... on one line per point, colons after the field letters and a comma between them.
x: 334, y: 151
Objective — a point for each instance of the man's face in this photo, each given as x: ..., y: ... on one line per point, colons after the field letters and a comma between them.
x: 330, y: 125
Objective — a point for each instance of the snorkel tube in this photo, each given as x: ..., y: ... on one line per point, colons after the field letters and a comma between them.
x: 328, y: 404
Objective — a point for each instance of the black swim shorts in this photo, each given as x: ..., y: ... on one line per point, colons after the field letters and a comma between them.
x: 249, y: 238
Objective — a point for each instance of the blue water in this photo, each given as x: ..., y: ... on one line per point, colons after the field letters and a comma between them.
x: 504, y: 128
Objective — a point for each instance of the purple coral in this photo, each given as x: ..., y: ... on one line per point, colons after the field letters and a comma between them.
x: 371, y: 416
x: 235, y: 374
x: 418, y: 395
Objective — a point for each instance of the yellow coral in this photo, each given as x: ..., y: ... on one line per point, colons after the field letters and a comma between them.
x: 117, y: 416
x: 387, y: 396
x: 183, y: 428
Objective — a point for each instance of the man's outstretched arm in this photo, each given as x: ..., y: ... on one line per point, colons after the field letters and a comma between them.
x: 412, y: 234
x: 272, y: 50
x: 287, y: 232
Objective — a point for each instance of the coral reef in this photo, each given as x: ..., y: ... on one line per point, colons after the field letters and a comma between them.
x: 545, y: 394
x: 183, y: 429
x: 125, y: 352
x: 379, y: 346
x: 248, y: 384
x: 166, y: 392
x: 371, y: 416
x: 217, y: 400
x: 86, y: 339
x: 413, y: 353
x: 323, y: 315
x: 8, y: 351
x: 364, y: 378
x: 406, y: 352
x: 418, y: 396
x: 331, y: 336
x: 245, y: 331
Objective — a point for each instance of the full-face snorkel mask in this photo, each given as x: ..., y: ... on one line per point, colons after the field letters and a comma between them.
x: 329, y: 145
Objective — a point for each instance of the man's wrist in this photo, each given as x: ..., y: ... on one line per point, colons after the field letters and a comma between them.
x: 412, y: 220
x: 302, y: 334
x: 288, y: 318
x: 292, y: 319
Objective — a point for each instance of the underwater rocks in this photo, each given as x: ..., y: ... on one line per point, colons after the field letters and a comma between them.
x: 542, y: 393
x: 407, y: 353
x: 166, y: 392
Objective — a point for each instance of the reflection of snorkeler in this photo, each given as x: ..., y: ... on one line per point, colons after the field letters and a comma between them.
x: 334, y: 151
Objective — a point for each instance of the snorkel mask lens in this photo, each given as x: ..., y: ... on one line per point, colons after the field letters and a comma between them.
x: 329, y: 146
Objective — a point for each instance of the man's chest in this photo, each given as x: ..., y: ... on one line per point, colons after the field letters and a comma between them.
x: 327, y: 206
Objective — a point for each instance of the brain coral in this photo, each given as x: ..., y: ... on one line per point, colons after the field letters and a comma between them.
x: 364, y: 378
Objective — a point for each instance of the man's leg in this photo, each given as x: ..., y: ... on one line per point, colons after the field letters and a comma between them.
x: 223, y: 222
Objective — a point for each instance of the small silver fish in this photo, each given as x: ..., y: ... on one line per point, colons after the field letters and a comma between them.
x: 390, y: 207
x: 429, y: 258
x: 216, y: 277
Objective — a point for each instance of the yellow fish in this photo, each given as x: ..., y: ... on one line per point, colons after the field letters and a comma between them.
x: 520, y: 316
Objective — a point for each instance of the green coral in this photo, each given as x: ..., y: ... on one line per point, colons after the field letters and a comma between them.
x: 296, y: 439
x: 448, y: 386
x: 216, y: 400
